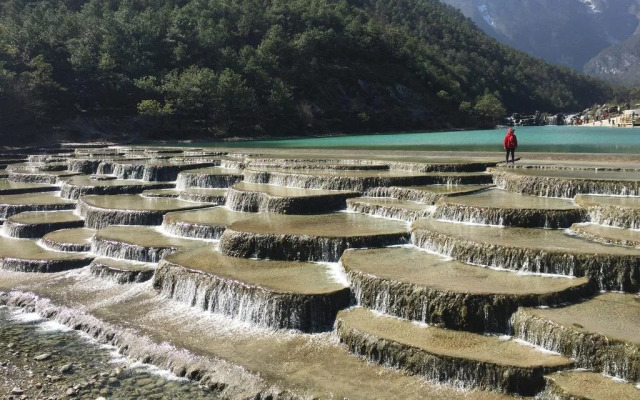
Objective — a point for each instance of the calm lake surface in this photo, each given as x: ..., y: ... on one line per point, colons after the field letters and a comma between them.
x: 553, y: 139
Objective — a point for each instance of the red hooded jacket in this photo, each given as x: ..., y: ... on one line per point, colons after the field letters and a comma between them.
x: 510, y: 140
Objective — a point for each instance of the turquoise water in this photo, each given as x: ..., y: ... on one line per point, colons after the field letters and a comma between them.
x: 560, y: 139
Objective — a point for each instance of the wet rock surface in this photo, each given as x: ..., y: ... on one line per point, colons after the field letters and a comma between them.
x: 499, y: 207
x: 234, y: 314
x: 36, y: 224
x: 620, y: 212
x: 607, y: 234
x: 308, y: 238
x: 602, y: 333
x: 415, y: 285
x: 461, y: 358
x: 281, y: 295
x: 532, y: 250
x: 207, y: 223
x: 568, y: 385
x: 73, y: 367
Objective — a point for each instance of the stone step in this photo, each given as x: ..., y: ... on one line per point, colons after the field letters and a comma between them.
x: 174, y: 193
x: 207, y: 223
x: 585, y: 385
x: 463, y: 359
x: 82, y: 185
x: 204, y: 195
x: 137, y: 243
x: 274, y: 294
x: 402, y: 210
x: 308, y: 237
x: 607, y: 234
x: 500, y: 207
x: 258, y: 197
x: 621, y: 212
x: 532, y: 250
x: 101, y: 211
x: 122, y: 271
x: 315, y: 163
x: 34, y: 175
x: 12, y: 204
x: 25, y: 255
x: 359, y: 181
x: 35, y: 224
x: 72, y: 240
x: 159, y: 170
x: 209, y: 178
x: 567, y: 183
x: 9, y: 187
x: 424, y: 194
x: 601, y: 334
x: 416, y: 285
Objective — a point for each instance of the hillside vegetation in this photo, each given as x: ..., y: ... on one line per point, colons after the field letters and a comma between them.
x: 178, y: 68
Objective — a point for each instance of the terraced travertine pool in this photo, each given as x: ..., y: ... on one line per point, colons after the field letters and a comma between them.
x: 284, y: 274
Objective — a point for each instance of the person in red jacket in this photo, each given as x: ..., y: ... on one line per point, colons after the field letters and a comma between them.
x: 510, y: 143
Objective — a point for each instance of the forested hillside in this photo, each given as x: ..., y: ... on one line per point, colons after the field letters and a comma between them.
x: 178, y: 68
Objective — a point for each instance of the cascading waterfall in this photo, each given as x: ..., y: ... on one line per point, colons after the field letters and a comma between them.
x: 407, y: 194
x: 128, y: 251
x: 187, y: 180
x: 247, y: 303
x: 299, y: 247
x: 248, y: 201
x: 390, y: 212
x: 589, y: 350
x: 528, y: 218
x: 565, y: 188
x: 611, y: 272
x: 459, y: 372
x: 229, y: 380
x: 454, y: 310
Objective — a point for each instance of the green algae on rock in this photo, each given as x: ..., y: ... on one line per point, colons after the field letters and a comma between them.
x: 532, y: 250
x: 274, y: 294
x: 415, y: 285
x: 458, y: 358
x: 601, y: 334
x: 308, y: 237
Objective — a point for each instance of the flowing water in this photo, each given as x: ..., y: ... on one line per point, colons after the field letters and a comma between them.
x: 559, y: 139
x: 285, y: 275
x: 77, y: 367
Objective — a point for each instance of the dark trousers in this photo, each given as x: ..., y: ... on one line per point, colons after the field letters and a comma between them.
x: 513, y: 154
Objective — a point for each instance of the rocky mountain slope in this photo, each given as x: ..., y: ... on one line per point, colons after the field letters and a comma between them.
x: 569, y: 32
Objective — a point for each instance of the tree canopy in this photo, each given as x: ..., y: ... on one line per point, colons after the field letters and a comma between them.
x: 267, y: 67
